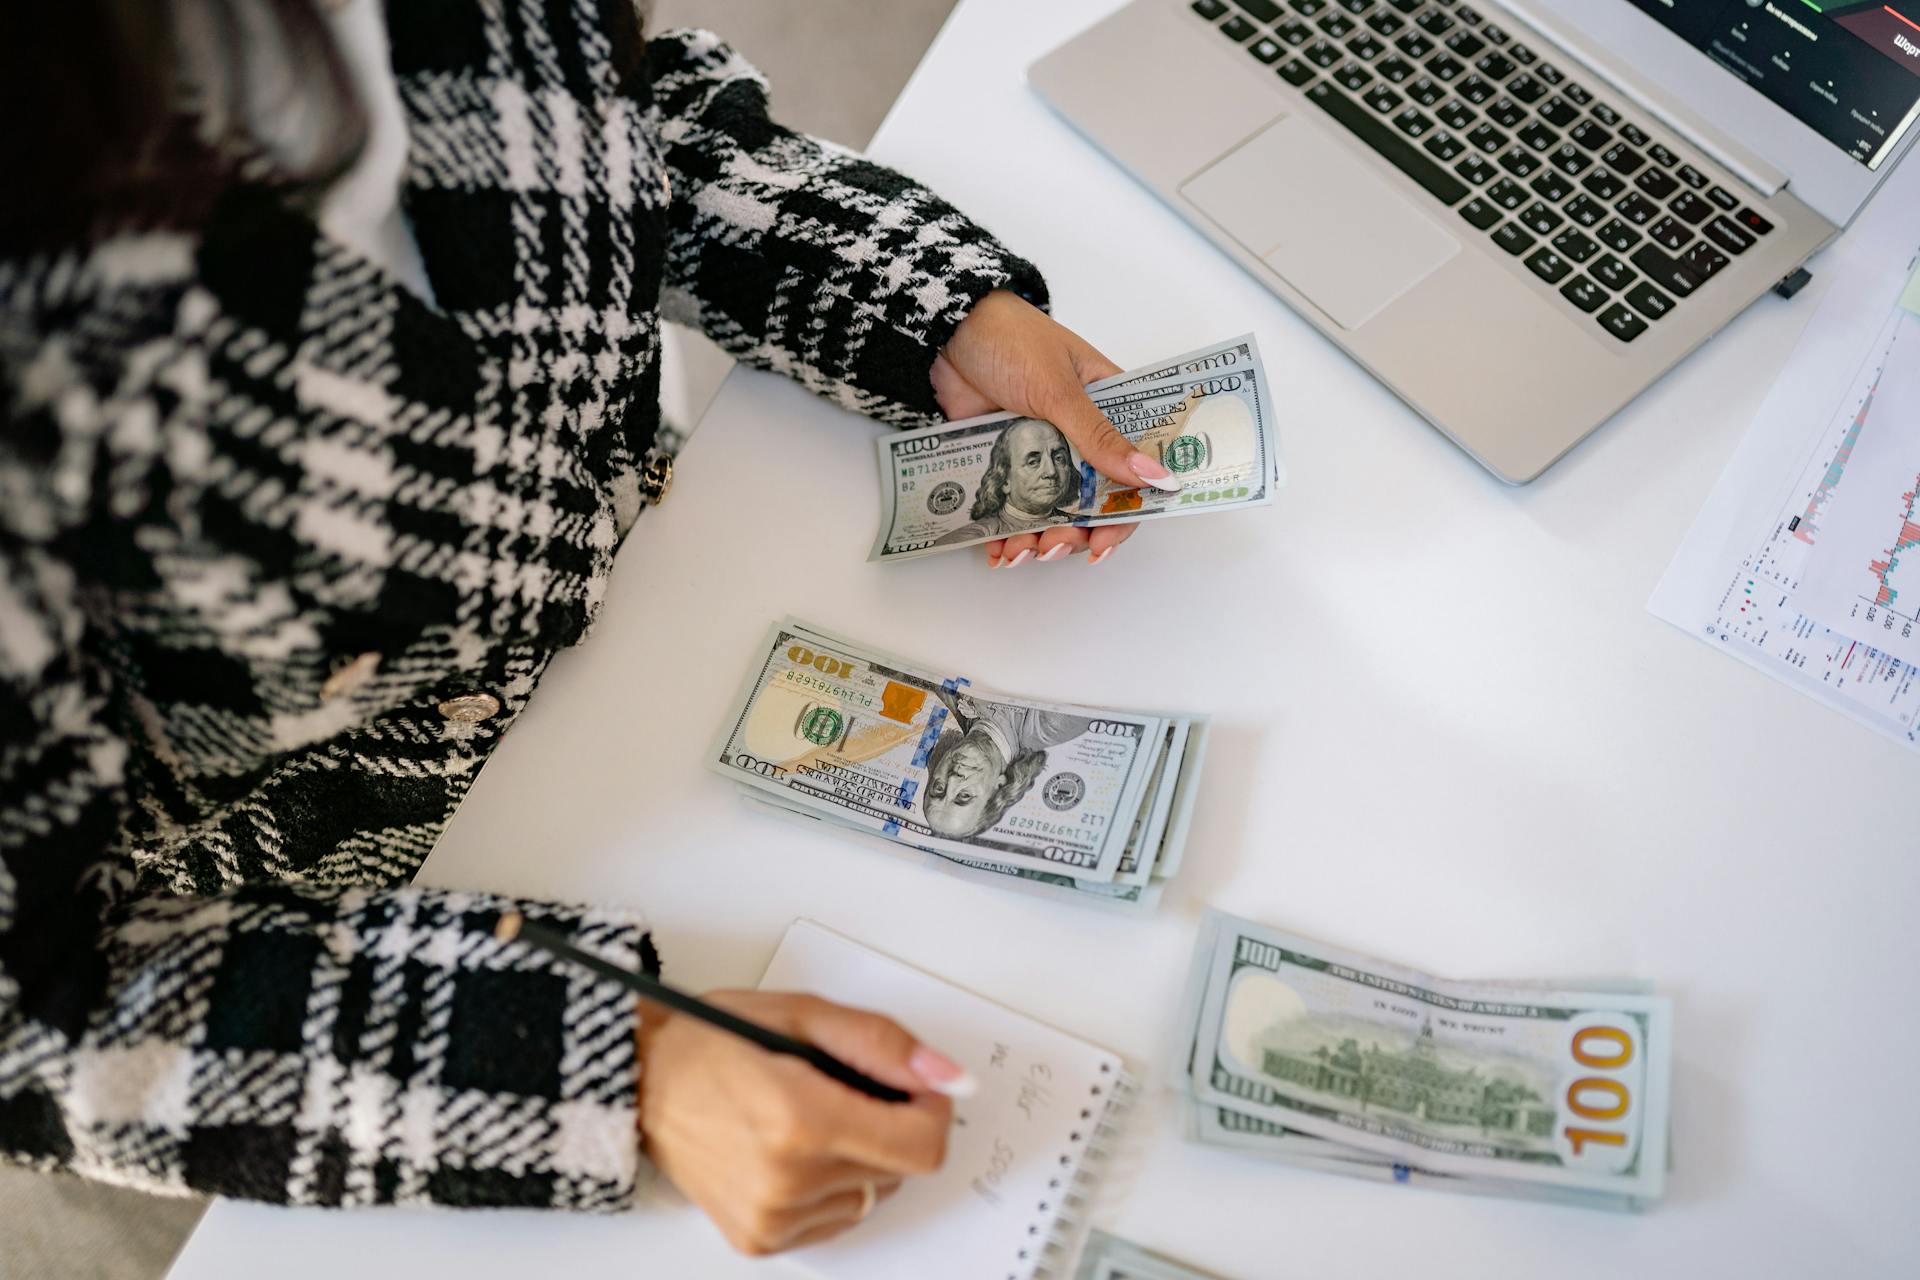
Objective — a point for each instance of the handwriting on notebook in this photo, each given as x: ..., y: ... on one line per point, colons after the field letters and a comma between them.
x: 1031, y: 1095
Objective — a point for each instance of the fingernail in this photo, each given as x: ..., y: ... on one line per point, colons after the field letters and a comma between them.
x: 993, y: 562
x: 1100, y: 555
x: 1020, y: 559
x: 1151, y: 472
x: 1059, y: 549
x: 943, y: 1074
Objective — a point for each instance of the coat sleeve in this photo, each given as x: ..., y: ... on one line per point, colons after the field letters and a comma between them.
x: 801, y: 257
x: 286, y: 1043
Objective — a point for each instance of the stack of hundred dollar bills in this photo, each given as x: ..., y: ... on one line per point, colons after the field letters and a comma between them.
x: 1207, y: 416
x: 1301, y: 1052
x: 1083, y: 802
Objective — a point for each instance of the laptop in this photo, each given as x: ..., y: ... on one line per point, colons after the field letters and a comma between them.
x: 1516, y: 215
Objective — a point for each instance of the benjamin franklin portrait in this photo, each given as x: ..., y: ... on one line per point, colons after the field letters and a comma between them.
x: 1030, y: 483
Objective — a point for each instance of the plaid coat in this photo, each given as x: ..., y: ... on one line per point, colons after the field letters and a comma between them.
x: 283, y: 552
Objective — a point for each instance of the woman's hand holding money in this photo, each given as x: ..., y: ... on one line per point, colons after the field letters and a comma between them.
x: 1009, y: 355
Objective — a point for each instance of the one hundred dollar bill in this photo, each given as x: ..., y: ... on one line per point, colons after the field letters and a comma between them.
x: 1290, y: 1042
x: 1208, y: 416
x: 1108, y: 1257
x: 920, y: 757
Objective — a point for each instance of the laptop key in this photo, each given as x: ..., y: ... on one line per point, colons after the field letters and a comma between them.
x: 1209, y: 9
x: 1387, y: 23
x: 1495, y: 66
x: 1406, y: 6
x: 1337, y: 25
x: 1724, y: 198
x: 1650, y: 302
x: 1590, y: 135
x: 1520, y: 53
x: 1296, y: 72
x: 1578, y: 95
x: 1574, y: 247
x: 1692, y: 177
x: 1753, y: 222
x: 1487, y: 138
x: 1539, y: 137
x: 1663, y: 157
x: 1613, y: 273
x: 1540, y: 220
x: 1605, y: 114
x: 1455, y: 115
x: 1479, y: 213
x: 1570, y: 160
x: 1475, y: 89
x: 1622, y: 323
x: 1434, y: 23
x: 1356, y: 7
x: 1294, y: 32
x: 1513, y: 239
x: 1476, y: 170
x: 1397, y: 69
x: 1550, y: 74
x: 1466, y: 44
x: 1506, y: 113
x: 1413, y: 123
x: 1671, y: 274
x: 1237, y: 28
x: 1558, y: 112
x: 1446, y: 67
x: 1414, y: 45
x: 1323, y: 55
x: 1425, y: 92
x: 1267, y: 49
x: 1637, y: 209
x: 1444, y: 146
x: 1521, y: 164
x: 1495, y: 34
x: 1549, y: 266
x: 1634, y: 134
x: 1383, y: 99
x: 1468, y: 14
x: 1403, y: 155
x: 1353, y: 77
x: 1617, y: 235
x: 1508, y: 194
x: 1366, y: 48
x: 1729, y: 235
x: 1705, y: 261
x: 1526, y: 88
x: 1551, y: 187
x: 1603, y: 185
x: 1657, y: 183
x: 1265, y: 10
x: 1583, y: 293
x: 1670, y: 234
x: 1307, y: 8
x: 1586, y: 211
x: 1622, y: 158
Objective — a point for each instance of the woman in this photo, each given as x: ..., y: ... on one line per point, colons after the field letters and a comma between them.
x: 328, y: 357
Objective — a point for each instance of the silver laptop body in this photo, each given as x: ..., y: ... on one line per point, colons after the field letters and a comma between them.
x: 1516, y: 215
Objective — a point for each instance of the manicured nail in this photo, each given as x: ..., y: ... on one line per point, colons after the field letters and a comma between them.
x: 1020, y: 559
x: 942, y: 1074
x: 1100, y: 555
x: 1059, y: 549
x: 993, y: 562
x: 1151, y: 472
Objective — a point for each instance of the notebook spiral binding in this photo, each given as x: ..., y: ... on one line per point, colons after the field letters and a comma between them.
x: 1061, y: 1220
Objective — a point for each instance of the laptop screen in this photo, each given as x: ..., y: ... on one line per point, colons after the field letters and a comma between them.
x: 1848, y: 69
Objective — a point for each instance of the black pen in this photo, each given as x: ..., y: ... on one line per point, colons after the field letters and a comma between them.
x: 512, y: 925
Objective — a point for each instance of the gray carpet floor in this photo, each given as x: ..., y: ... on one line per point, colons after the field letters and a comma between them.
x: 835, y: 67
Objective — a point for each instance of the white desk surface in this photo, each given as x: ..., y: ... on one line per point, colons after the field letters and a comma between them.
x: 1446, y: 732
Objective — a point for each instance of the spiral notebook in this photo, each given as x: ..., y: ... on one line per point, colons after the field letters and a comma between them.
x: 1026, y: 1150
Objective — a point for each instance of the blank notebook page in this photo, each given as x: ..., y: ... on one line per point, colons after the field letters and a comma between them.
x: 1024, y: 1150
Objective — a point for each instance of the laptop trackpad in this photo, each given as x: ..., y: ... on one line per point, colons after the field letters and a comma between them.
x: 1320, y: 217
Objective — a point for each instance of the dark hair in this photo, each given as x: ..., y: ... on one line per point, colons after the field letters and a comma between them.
x: 129, y: 114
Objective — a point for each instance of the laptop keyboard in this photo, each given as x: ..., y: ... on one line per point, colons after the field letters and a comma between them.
x: 1593, y: 204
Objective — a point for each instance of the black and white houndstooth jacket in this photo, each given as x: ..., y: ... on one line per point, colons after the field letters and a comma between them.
x: 283, y: 552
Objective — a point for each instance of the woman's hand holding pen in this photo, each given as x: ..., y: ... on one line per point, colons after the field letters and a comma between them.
x: 1008, y: 354
x: 777, y: 1154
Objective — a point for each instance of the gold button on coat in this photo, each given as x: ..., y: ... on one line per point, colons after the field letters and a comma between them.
x: 656, y: 477
x: 470, y: 708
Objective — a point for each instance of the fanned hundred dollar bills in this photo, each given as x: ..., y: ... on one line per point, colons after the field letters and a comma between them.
x: 1108, y: 1257
x: 1305, y: 1053
x: 1064, y: 800
x: 1207, y: 416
